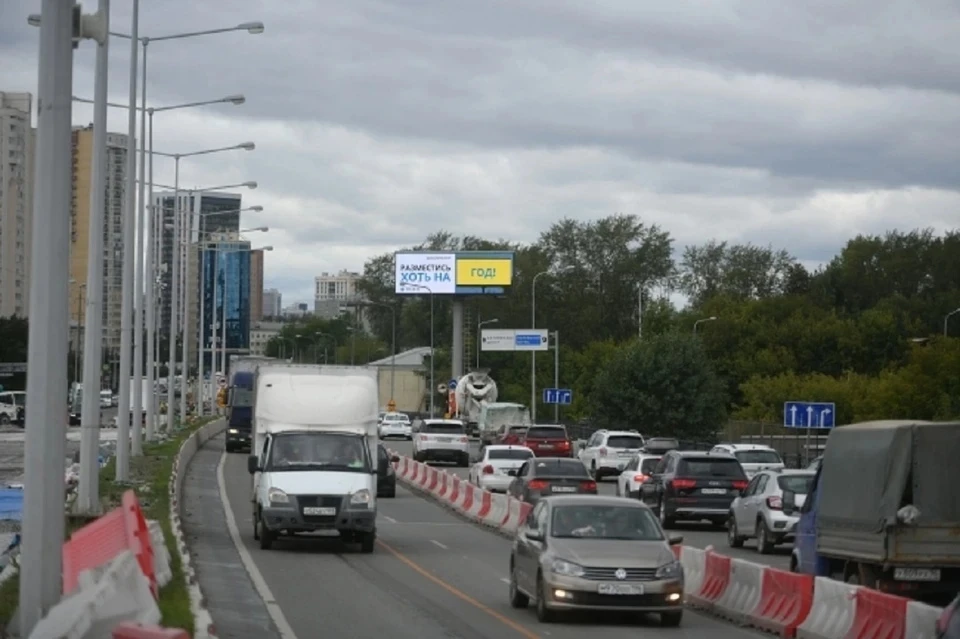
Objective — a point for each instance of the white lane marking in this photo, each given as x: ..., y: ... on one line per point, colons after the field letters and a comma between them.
x: 437, y: 543
x: 283, y: 626
x: 388, y: 518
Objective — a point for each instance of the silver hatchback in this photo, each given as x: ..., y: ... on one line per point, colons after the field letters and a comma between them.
x: 758, y: 512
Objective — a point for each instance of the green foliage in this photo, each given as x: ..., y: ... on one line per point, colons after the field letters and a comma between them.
x: 663, y: 385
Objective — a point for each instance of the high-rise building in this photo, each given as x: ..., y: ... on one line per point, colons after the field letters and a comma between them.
x: 256, y: 285
x: 212, y: 213
x: 272, y: 303
x: 226, y: 296
x: 333, y: 292
x: 116, y: 171
x: 17, y: 139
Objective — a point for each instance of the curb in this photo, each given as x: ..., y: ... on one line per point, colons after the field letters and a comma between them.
x: 203, y: 622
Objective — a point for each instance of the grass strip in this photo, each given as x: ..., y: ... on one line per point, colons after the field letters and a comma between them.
x: 150, y: 478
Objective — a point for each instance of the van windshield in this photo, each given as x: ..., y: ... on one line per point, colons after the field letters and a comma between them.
x: 319, y: 451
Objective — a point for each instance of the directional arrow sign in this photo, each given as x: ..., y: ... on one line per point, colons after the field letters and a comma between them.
x: 809, y: 414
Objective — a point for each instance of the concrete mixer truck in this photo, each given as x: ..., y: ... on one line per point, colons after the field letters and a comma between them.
x: 474, y: 390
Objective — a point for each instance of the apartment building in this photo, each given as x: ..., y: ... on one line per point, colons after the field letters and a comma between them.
x: 113, y: 222
x: 334, y: 292
x: 17, y: 140
x: 271, y: 306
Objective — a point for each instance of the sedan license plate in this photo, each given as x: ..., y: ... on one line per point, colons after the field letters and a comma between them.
x: 714, y: 491
x: 916, y: 574
x: 620, y: 589
x: 563, y: 489
x: 445, y: 439
x: 319, y: 512
x: 546, y: 446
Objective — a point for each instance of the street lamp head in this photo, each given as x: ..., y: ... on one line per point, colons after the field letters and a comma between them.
x: 262, y: 229
x: 254, y: 28
x: 235, y: 99
x: 256, y: 208
x: 250, y: 185
x: 33, y: 20
x: 266, y: 248
x: 247, y: 146
x: 711, y: 318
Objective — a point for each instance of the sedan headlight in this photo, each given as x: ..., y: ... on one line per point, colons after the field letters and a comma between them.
x: 277, y: 496
x: 673, y: 570
x: 232, y: 431
x: 361, y: 499
x: 567, y: 568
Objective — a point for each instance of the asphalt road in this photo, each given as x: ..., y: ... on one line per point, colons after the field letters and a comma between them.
x: 696, y: 535
x: 433, y: 575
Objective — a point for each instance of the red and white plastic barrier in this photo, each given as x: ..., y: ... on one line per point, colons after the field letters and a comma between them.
x: 750, y: 594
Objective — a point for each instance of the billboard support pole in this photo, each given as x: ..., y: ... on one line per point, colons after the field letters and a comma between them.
x: 456, y: 358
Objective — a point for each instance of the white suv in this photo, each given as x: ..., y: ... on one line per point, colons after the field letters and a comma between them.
x: 441, y: 440
x: 395, y: 425
x: 753, y: 457
x: 608, y: 451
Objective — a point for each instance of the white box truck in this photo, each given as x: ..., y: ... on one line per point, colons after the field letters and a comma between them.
x: 314, y: 454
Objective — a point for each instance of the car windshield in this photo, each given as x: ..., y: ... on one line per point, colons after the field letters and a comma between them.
x: 319, y: 451
x: 560, y: 468
x: 625, y: 441
x: 648, y: 464
x: 546, y: 432
x: 758, y: 457
x: 710, y: 467
x: 799, y: 484
x: 442, y: 428
x: 509, y: 453
x: 605, y: 522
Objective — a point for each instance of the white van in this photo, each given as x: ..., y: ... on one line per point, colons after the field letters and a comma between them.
x: 314, y: 458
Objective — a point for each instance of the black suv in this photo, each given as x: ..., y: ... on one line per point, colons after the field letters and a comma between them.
x: 694, y: 485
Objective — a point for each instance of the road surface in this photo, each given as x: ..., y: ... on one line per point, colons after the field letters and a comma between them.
x: 433, y: 575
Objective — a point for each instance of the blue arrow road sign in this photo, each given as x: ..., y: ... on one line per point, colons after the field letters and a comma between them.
x: 809, y: 414
x: 452, y: 384
x: 562, y: 396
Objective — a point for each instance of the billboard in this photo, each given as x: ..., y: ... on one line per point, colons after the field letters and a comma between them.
x: 426, y: 273
x: 461, y: 273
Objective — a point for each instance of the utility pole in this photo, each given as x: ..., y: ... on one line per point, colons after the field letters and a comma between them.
x: 556, y: 374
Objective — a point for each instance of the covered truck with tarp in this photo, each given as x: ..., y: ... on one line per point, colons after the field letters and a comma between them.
x: 884, y: 508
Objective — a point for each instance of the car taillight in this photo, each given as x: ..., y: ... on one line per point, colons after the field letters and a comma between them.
x: 564, y: 444
x: 464, y: 440
x: 588, y: 486
x: 488, y: 470
x: 740, y: 484
x: 639, y: 478
x: 774, y: 503
x: 423, y: 438
x: 684, y: 484
x: 537, y: 484
x: 603, y: 452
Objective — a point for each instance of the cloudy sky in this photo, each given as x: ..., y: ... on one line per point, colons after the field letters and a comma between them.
x: 784, y: 122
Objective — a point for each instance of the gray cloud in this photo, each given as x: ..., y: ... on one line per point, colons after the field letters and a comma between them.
x: 379, y: 121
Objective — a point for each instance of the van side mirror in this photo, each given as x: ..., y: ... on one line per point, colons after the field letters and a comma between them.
x: 395, y: 459
x: 252, y: 465
x: 789, y: 502
x: 534, y: 535
x: 675, y: 540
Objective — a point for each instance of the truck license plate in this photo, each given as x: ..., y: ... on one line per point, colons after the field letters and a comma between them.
x: 620, y: 589
x: 319, y: 512
x: 916, y: 574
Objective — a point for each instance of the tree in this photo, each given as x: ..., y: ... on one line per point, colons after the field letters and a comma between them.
x: 741, y: 271
x: 664, y: 385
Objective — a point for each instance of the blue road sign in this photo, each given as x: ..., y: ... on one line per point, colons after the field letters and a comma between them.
x: 809, y: 414
x: 562, y: 396
x: 452, y: 384
x: 527, y: 339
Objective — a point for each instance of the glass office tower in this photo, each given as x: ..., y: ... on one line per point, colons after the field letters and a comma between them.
x: 226, y: 272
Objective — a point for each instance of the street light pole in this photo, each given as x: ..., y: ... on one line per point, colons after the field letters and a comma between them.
x: 946, y: 320
x: 125, y: 409
x: 137, y: 412
x: 480, y: 325
x: 45, y: 444
x: 88, y: 500
x: 556, y: 374
x: 533, y: 354
x: 700, y: 321
x: 151, y: 241
x: 174, y: 295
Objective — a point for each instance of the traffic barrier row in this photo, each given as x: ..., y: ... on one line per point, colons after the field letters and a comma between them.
x: 802, y: 606
x: 500, y: 512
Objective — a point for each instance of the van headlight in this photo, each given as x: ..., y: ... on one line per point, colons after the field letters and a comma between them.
x: 361, y: 499
x: 567, y: 568
x: 277, y: 496
x: 673, y: 570
x: 232, y: 431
